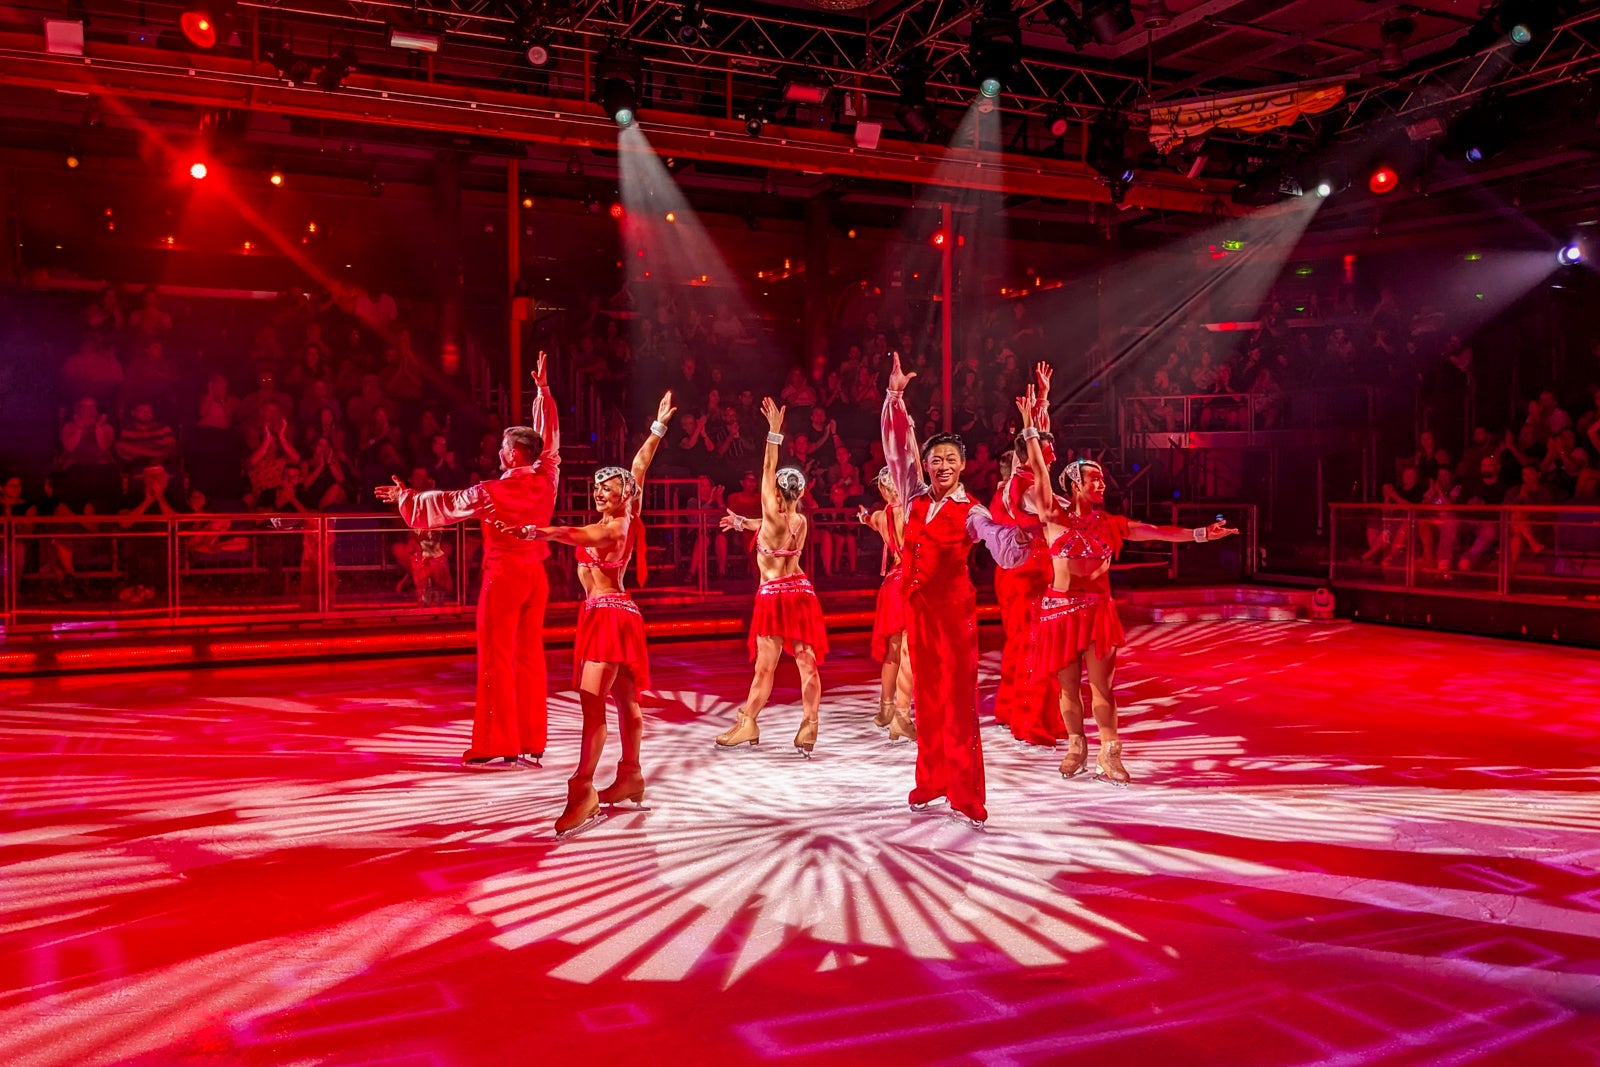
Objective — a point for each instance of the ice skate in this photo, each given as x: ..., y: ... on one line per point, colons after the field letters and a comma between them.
x: 901, y: 728
x: 531, y: 760
x: 744, y: 732
x: 1077, y: 756
x: 582, y: 810
x: 923, y: 805
x: 971, y: 820
x: 1108, y: 764
x: 885, y: 713
x: 627, y: 789
x: 488, y: 763
x: 806, y: 739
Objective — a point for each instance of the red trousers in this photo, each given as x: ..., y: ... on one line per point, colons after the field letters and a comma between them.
x: 942, y: 630
x: 1027, y: 702
x: 512, y: 717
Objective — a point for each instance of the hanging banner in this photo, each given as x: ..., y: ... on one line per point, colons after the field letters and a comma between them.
x: 1253, y: 112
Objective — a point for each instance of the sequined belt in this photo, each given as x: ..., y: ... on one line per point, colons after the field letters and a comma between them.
x: 789, y: 583
x: 1056, y: 604
x: 614, y: 601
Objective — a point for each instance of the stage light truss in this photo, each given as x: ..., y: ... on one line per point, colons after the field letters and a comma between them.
x: 770, y: 44
x: 1570, y: 53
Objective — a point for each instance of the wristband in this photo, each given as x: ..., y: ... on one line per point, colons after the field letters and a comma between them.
x: 658, y: 428
x: 1200, y: 534
x: 895, y: 394
x: 774, y: 438
x: 1030, y: 433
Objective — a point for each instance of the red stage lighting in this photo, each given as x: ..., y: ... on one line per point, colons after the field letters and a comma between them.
x: 205, y: 22
x: 1383, y: 180
x: 938, y: 239
x: 616, y: 211
x: 198, y: 170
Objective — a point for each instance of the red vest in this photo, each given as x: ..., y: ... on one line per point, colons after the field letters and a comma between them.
x: 935, y: 553
x: 525, y: 500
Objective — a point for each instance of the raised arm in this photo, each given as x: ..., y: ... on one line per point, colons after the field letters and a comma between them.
x: 658, y: 429
x: 1043, y: 495
x: 546, y: 421
x: 899, y: 439
x: 771, y: 499
x: 600, y: 536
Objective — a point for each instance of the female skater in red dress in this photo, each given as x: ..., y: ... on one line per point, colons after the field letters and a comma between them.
x: 1077, y: 626
x: 942, y: 523
x: 1026, y: 702
x: 609, y: 651
x: 788, y: 616
x: 889, y: 627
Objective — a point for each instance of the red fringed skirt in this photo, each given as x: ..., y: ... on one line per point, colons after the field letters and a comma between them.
x: 611, y: 630
x: 891, y: 617
x: 788, y: 608
x: 1070, y: 624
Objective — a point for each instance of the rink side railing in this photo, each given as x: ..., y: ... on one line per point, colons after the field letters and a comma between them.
x: 101, y: 574
x: 1548, y: 553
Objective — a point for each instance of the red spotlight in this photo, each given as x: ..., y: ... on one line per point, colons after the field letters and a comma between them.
x: 1383, y: 180
x: 616, y: 211
x: 938, y: 239
x: 198, y: 170
x: 199, y: 28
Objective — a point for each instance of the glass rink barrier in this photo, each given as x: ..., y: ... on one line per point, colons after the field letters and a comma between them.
x: 1545, y: 552
x: 90, y: 572
x: 1247, y: 412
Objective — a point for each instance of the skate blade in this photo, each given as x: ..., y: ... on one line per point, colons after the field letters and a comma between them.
x: 729, y: 748
x: 490, y: 768
x: 624, y: 805
x: 922, y: 808
x: 805, y: 752
x: 967, y: 820
x: 583, y: 827
x: 531, y: 762
x: 1110, y: 781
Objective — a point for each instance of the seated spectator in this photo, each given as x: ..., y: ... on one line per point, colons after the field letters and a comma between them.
x: 316, y: 399
x: 441, y: 464
x: 329, y: 479
x: 311, y: 367
x: 87, y: 464
x: 379, y: 457
x: 709, y: 538
x: 153, y: 378
x: 1559, y: 469
x: 145, y: 440
x: 1526, y: 531
x: 145, y: 558
x: 149, y: 321
x: 14, y: 505
x: 207, y: 541
x: 1389, y: 537
x: 361, y: 409
x: 1555, y: 420
x: 94, y: 372
x: 267, y: 461
x: 218, y: 409
x: 267, y: 392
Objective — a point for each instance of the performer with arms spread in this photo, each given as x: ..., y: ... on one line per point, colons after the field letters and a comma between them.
x: 942, y: 523
x: 1077, y: 625
x: 889, y: 627
x: 609, y: 654
x: 511, y: 720
x: 788, y: 616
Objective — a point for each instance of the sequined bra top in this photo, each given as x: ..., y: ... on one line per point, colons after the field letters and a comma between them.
x: 783, y: 553
x: 586, y: 557
x: 1083, y: 539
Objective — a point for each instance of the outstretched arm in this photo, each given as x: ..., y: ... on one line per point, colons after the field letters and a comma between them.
x: 599, y: 536
x: 735, y: 521
x: 1144, y: 531
x: 432, y: 508
x: 658, y: 429
x: 771, y: 500
x: 899, y: 439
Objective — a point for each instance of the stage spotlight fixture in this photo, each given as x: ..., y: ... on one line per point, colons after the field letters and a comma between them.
x: 691, y: 20
x: 754, y: 122
x: 1396, y: 32
x: 1056, y: 120
x: 619, y: 74
x: 1108, y: 20
x: 527, y: 203
x: 1385, y: 179
x: 1108, y: 154
x: 800, y: 91
x: 913, y: 112
x: 337, y: 69
x: 205, y: 22
x: 1570, y: 255
x: 537, y: 51
x: 1481, y: 133
x: 198, y: 170
x: 671, y: 216
x: 1324, y: 189
x: 531, y: 38
x: 1062, y: 15
x: 995, y: 48
x: 616, y: 210
x: 73, y: 160
x: 275, y: 178
x: 409, y: 40
x: 1156, y: 15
